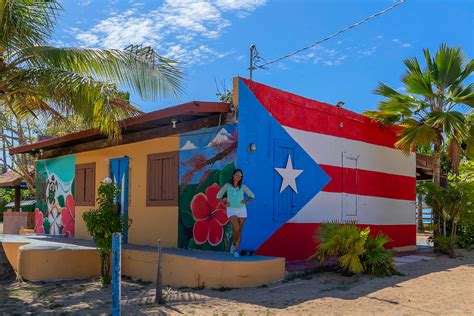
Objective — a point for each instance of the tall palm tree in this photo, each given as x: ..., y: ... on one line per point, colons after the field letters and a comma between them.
x: 39, y: 79
x: 433, y: 110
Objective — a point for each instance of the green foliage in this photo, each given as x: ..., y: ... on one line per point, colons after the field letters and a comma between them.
x: 377, y: 260
x: 455, y: 206
x: 8, y: 195
x: 356, y: 251
x: 103, y: 222
x: 444, y: 243
x: 433, y: 109
x: 465, y: 235
x: 58, y: 82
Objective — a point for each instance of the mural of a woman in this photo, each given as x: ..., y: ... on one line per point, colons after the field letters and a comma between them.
x: 236, y: 206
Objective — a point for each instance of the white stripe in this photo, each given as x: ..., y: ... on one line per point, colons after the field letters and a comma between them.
x: 327, y: 206
x: 328, y: 150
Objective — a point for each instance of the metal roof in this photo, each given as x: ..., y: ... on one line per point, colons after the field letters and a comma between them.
x: 182, y: 113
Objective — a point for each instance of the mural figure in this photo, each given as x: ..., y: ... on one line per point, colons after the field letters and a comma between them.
x: 207, y: 161
x: 54, y: 195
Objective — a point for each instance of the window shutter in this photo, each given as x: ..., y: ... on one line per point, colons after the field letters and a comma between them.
x: 162, y: 179
x: 84, y: 185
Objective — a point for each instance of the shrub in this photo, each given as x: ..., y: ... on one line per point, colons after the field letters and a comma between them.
x: 103, y: 222
x: 354, y: 249
x: 443, y: 244
x: 377, y: 260
x: 465, y: 236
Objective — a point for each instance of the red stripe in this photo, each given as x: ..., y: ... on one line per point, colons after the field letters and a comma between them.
x: 296, y: 241
x: 309, y: 115
x: 370, y: 183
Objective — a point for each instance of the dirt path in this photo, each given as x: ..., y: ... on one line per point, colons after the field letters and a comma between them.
x: 440, y: 286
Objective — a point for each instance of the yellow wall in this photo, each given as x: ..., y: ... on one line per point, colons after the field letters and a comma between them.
x: 150, y: 223
x: 11, y: 250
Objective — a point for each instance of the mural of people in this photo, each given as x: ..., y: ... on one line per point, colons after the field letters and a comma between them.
x: 207, y: 161
x: 54, y: 196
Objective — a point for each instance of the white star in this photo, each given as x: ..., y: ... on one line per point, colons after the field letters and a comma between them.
x: 289, y: 175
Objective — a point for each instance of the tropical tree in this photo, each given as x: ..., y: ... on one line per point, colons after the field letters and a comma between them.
x: 433, y: 111
x: 37, y: 79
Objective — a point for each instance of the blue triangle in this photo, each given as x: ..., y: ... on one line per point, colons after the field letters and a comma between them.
x: 271, y: 209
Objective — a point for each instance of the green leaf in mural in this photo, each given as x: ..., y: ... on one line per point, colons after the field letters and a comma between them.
x: 186, y: 196
x: 187, y: 219
x: 219, y: 247
x: 226, y: 173
x: 182, y: 236
x: 61, y: 201
x: 46, y: 225
x: 192, y: 244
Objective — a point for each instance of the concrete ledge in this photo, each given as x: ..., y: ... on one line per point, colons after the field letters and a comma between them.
x: 41, y: 258
x: 196, y: 271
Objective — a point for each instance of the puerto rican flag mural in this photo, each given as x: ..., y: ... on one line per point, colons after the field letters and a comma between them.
x: 314, y: 163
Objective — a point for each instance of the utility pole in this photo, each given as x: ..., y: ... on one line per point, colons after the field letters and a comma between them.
x: 253, y: 48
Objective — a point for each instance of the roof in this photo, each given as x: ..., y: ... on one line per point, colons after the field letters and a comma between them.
x: 10, y: 179
x: 181, y: 113
x: 22, y: 203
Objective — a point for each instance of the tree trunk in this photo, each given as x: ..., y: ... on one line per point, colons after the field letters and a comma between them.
x: 420, y: 213
x: 437, y: 181
x: 452, y: 240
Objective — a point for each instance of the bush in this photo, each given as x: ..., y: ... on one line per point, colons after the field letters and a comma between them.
x: 465, y: 236
x: 377, y: 260
x: 443, y: 244
x: 103, y: 222
x: 354, y: 249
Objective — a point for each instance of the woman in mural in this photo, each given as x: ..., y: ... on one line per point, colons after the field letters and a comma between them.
x: 236, y: 206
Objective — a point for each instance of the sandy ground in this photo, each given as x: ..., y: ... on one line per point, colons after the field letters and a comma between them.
x: 441, y: 286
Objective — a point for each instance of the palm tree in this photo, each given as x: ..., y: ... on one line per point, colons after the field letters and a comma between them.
x: 37, y: 79
x: 433, y: 109
x: 433, y: 112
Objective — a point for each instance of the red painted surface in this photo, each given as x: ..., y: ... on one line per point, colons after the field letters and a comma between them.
x: 370, y: 183
x: 296, y: 241
x: 310, y: 115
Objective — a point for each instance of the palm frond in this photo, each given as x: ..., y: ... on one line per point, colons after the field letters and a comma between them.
x: 417, y: 81
x: 151, y: 80
x: 451, y: 122
x: 463, y: 95
x: 26, y: 23
x: 61, y: 91
x: 412, y: 136
x: 449, y: 63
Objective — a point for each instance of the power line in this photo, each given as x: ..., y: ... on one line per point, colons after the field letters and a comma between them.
x: 262, y: 66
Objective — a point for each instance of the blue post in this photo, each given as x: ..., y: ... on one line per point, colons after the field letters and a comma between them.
x: 116, y: 273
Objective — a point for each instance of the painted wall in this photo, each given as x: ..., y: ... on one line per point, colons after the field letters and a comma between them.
x: 150, y: 223
x: 314, y: 163
x: 207, y: 160
x: 55, y: 210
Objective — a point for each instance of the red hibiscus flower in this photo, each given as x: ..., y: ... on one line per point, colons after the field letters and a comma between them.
x: 39, y: 219
x: 68, y: 216
x: 210, y: 216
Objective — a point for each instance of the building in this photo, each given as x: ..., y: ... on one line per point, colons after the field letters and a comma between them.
x: 306, y: 161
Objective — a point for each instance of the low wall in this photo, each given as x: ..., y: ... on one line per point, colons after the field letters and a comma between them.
x: 13, y: 221
x: 190, y: 271
x: 43, y: 261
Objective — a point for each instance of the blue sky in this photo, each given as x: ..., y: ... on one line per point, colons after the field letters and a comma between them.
x: 212, y: 38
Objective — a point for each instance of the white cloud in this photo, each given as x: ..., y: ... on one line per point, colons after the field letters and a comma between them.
x: 84, y: 3
x: 368, y: 51
x: 178, y: 29
x: 400, y: 43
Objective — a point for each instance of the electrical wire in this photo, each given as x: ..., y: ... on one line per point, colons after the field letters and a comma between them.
x: 262, y: 66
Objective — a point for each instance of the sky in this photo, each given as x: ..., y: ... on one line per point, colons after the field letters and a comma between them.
x: 211, y: 40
